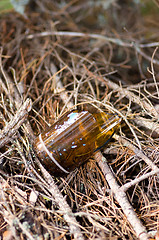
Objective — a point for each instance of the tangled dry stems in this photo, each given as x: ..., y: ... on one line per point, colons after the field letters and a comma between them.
x: 44, y: 73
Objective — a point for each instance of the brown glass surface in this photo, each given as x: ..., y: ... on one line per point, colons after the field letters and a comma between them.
x: 74, y: 138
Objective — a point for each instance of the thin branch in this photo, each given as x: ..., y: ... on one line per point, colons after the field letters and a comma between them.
x: 116, y: 41
x: 10, y: 129
x: 126, y: 186
x: 63, y: 205
x: 137, y: 152
x: 60, y: 87
x: 80, y: 34
x: 146, y: 105
x: 147, y: 123
x: 121, y: 198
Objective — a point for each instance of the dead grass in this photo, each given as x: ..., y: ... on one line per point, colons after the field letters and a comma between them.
x: 89, y: 55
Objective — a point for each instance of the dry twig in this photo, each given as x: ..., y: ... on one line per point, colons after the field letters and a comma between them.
x: 63, y: 205
x: 11, y: 127
x: 105, y: 72
x: 137, y: 152
x: 121, y: 198
x: 99, y: 37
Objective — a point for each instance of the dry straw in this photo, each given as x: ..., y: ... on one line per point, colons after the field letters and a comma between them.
x: 63, y: 57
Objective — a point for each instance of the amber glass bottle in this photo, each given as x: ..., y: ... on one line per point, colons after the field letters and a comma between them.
x: 73, y: 139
